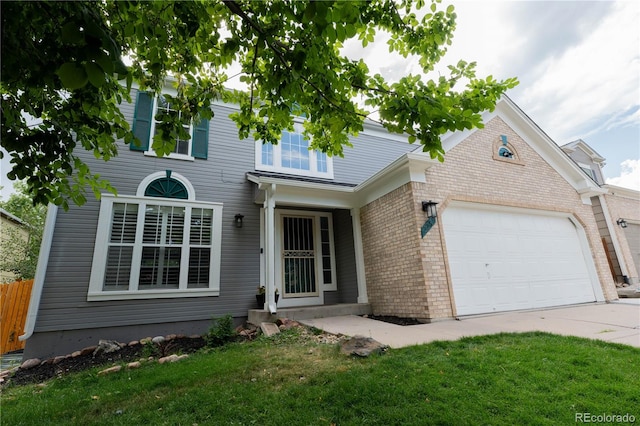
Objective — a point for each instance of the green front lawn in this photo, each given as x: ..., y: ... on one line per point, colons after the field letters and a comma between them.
x: 509, y: 379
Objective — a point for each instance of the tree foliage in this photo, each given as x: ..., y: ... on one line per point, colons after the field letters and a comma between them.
x: 19, y: 251
x: 62, y: 64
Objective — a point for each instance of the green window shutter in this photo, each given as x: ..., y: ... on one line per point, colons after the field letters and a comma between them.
x: 200, y: 140
x: 142, y: 121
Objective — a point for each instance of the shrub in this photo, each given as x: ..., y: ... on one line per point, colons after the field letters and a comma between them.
x: 220, y: 332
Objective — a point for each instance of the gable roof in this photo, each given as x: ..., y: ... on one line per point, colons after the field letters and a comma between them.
x: 582, y: 145
x: 11, y: 217
x: 538, y: 140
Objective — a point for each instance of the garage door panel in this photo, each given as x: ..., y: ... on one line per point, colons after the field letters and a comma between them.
x: 507, y: 260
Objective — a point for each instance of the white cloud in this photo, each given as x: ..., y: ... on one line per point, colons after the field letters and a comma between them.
x: 597, y: 78
x: 629, y: 176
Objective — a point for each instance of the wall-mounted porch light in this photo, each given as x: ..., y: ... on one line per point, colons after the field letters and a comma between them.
x: 622, y: 223
x: 430, y: 208
x: 238, y: 220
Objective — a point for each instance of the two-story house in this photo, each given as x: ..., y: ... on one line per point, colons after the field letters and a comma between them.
x: 505, y: 223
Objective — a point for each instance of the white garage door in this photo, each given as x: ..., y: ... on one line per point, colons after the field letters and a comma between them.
x: 508, y: 260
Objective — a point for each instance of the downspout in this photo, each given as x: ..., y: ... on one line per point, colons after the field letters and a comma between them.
x: 41, y: 271
x: 269, y: 206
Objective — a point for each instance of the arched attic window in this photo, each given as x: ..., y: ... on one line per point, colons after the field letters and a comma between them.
x: 166, y: 187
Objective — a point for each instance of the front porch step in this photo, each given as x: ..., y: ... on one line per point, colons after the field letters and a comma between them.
x: 258, y: 316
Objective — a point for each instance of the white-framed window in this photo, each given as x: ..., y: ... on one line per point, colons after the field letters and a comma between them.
x: 147, y: 119
x: 588, y: 170
x: 293, y: 156
x: 153, y: 247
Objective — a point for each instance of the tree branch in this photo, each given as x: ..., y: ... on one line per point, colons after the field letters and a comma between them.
x: 234, y: 7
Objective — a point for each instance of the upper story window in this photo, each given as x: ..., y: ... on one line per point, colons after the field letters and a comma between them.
x: 147, y: 120
x: 293, y: 156
x: 589, y: 171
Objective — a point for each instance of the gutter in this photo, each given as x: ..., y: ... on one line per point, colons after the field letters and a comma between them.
x: 41, y: 272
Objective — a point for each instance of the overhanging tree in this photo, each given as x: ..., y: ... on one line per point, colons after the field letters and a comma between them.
x: 62, y: 64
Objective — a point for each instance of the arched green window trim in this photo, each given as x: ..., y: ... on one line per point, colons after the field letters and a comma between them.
x: 166, y: 187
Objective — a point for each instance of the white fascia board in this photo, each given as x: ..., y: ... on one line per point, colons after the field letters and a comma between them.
x: 300, y: 193
x: 409, y: 167
x: 622, y: 192
x: 41, y: 271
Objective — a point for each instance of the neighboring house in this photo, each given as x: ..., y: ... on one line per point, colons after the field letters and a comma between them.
x: 618, y: 215
x: 192, y: 236
x: 12, y: 231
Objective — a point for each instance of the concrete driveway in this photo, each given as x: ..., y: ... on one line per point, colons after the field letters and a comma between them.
x: 617, y: 322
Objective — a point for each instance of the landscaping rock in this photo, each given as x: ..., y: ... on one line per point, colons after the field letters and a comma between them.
x: 170, y: 358
x: 287, y: 324
x: 88, y: 350
x: 107, y: 347
x: 158, y: 340
x: 135, y: 364
x: 30, y: 363
x: 110, y: 370
x: 361, y: 346
x: 58, y: 359
x: 269, y: 329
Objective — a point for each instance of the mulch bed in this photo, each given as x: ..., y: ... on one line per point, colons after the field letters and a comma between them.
x: 49, y: 370
x: 394, y: 320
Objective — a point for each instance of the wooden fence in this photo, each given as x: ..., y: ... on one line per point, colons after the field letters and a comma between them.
x: 14, y: 302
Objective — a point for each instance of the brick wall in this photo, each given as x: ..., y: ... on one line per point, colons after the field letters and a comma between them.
x: 392, y: 256
x: 408, y: 276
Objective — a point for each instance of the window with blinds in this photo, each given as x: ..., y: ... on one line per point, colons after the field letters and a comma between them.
x: 156, y: 245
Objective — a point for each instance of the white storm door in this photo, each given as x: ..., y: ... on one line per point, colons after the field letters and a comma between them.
x: 299, y: 274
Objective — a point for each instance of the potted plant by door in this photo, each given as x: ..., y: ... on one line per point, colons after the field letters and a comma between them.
x: 260, y: 296
x: 277, y: 295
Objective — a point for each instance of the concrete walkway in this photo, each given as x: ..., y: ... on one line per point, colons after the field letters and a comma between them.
x: 617, y: 322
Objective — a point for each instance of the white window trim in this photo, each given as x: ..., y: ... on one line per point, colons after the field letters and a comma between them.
x: 589, y: 170
x: 277, y: 160
x: 96, y: 281
x: 173, y: 155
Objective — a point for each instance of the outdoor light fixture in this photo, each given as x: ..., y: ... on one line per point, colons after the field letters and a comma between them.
x: 238, y: 220
x: 622, y: 223
x: 430, y: 208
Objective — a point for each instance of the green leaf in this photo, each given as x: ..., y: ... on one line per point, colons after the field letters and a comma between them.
x: 95, y: 74
x: 71, y: 34
x: 72, y: 76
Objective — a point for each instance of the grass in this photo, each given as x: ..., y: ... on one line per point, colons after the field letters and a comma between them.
x: 503, y: 379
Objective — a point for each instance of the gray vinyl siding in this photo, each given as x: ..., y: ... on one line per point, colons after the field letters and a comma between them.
x: 220, y: 178
x: 345, y: 260
x: 370, y: 154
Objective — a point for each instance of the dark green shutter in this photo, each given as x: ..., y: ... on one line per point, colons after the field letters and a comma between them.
x: 142, y: 121
x: 201, y: 140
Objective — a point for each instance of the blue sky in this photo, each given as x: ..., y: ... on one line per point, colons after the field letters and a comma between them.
x: 578, y: 64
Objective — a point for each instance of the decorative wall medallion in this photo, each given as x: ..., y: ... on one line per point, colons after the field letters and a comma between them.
x: 505, y: 151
